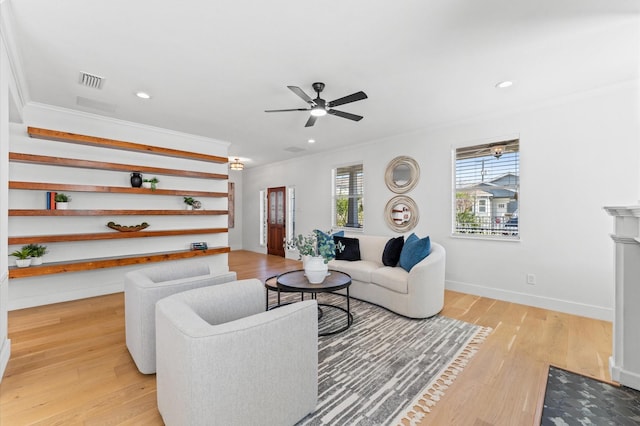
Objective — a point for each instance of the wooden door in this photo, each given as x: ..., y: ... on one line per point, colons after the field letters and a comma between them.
x: 276, y: 220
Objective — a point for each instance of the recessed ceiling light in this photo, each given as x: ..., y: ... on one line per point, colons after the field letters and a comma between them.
x: 504, y: 84
x: 143, y: 95
x: 312, y: 141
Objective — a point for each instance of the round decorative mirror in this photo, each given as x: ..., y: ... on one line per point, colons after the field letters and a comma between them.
x: 402, y: 174
x: 401, y: 213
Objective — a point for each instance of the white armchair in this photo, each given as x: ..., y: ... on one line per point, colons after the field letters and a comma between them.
x: 223, y: 360
x: 144, y: 287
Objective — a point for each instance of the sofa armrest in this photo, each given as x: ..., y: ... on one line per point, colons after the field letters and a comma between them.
x: 426, y: 281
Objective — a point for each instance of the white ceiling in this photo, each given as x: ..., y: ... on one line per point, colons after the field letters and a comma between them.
x: 214, y: 66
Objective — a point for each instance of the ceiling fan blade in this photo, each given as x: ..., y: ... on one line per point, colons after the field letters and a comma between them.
x: 311, y: 121
x: 345, y: 115
x: 283, y: 110
x: 358, y: 96
x: 298, y: 91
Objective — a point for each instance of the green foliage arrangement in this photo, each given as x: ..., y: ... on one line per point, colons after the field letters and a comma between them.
x: 36, y: 250
x: 153, y: 181
x: 23, y: 253
x: 307, y: 245
x: 62, y: 198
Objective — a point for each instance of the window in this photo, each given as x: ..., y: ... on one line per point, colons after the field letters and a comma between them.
x: 348, y: 209
x: 487, y: 190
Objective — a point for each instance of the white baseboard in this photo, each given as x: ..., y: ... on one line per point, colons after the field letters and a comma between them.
x: 580, y: 309
x: 5, y: 354
x: 624, y: 377
x: 47, y: 299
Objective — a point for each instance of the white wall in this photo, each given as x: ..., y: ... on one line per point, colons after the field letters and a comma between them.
x: 5, y: 343
x: 578, y: 154
x: 33, y: 291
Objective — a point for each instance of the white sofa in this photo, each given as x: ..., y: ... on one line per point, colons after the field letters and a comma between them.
x: 144, y: 287
x: 415, y: 294
x: 223, y: 360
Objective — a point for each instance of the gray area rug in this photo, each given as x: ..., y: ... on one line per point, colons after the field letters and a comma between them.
x: 572, y: 399
x: 385, y: 367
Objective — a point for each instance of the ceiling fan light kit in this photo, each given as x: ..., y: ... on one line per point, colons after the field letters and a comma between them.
x: 319, y: 107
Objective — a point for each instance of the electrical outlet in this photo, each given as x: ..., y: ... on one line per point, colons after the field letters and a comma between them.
x: 531, y: 279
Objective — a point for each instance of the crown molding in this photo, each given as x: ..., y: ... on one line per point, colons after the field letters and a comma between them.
x: 119, y: 122
x: 17, y: 84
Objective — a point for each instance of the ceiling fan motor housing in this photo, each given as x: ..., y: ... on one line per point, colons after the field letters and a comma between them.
x: 318, y: 87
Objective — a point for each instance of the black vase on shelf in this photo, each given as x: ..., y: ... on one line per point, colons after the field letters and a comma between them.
x: 136, y: 179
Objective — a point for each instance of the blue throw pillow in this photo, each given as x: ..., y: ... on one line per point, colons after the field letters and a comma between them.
x: 414, y: 250
x: 324, y: 238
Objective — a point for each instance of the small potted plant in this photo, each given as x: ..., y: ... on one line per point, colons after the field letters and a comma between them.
x: 314, y: 256
x: 23, y: 257
x: 37, y: 251
x: 191, y: 203
x: 150, y: 183
x: 62, y: 201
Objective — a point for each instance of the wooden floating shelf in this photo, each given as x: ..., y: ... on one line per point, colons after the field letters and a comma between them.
x: 39, y: 239
x: 41, y: 186
x: 44, y: 212
x: 110, y: 262
x: 55, y: 135
x: 99, y: 165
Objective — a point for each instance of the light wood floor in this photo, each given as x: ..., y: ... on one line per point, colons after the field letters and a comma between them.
x: 69, y: 363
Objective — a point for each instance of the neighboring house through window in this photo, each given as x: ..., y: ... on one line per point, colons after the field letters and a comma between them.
x: 348, y: 207
x: 487, y: 187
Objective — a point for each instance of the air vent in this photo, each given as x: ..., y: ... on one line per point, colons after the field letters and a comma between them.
x: 91, y: 80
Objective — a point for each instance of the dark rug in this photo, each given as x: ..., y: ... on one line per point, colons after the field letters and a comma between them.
x: 386, y: 368
x: 572, y: 399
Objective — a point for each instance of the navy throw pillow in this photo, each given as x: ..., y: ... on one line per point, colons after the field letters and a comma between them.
x: 347, y: 248
x: 415, y: 249
x: 392, y: 250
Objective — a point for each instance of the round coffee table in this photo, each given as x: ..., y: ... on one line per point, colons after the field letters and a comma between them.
x: 297, y: 282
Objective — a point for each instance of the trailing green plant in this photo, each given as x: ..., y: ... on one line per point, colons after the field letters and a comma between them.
x: 153, y: 181
x: 190, y: 201
x: 36, y: 250
x: 62, y: 198
x: 23, y: 253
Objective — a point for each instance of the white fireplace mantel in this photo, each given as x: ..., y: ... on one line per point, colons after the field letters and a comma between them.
x: 624, y: 363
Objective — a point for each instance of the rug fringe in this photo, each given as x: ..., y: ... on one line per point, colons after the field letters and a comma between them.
x: 422, y: 405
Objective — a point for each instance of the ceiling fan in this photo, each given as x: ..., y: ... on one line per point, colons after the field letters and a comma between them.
x: 320, y: 107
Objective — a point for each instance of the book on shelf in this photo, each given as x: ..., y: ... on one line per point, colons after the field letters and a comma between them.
x: 51, y: 200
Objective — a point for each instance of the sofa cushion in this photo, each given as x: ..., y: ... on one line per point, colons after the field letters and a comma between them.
x: 394, y: 279
x: 414, y: 250
x: 347, y: 248
x: 392, y: 250
x: 359, y: 271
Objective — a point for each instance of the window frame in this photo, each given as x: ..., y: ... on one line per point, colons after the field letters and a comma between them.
x: 361, y: 196
x: 497, y: 230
